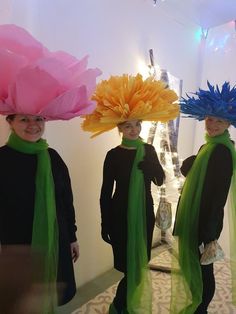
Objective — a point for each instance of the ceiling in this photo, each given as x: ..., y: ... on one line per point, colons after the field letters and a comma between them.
x: 205, y: 13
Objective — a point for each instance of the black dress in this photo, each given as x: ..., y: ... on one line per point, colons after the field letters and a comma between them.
x: 214, y: 194
x: 17, y: 190
x: 211, y: 212
x: 116, y: 171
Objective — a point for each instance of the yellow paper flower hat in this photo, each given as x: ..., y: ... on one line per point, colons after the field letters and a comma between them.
x: 126, y: 97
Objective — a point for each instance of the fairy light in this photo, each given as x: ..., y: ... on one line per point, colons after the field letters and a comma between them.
x: 163, y: 137
x: 142, y: 68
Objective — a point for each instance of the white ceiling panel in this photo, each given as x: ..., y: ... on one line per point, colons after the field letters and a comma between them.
x: 205, y: 13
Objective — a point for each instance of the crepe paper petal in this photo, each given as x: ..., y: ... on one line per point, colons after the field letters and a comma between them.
x: 78, y: 70
x: 55, y: 69
x: 17, y: 40
x: 127, y: 97
x: 213, y: 102
x: 70, y: 61
x: 10, y: 64
x: 6, y: 109
x: 88, y: 78
x: 33, y: 89
x: 77, y: 103
x: 37, y: 80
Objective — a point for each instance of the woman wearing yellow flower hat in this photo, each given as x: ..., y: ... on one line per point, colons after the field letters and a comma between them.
x: 127, y: 214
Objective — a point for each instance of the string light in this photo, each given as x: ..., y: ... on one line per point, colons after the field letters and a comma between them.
x: 163, y: 136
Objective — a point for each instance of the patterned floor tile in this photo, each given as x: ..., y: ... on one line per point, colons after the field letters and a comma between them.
x: 221, y: 304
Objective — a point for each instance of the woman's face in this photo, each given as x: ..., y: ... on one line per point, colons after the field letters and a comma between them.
x: 130, y: 129
x: 28, y: 127
x: 215, y: 126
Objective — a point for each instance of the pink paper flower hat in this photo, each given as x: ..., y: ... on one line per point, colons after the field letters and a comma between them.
x: 34, y: 80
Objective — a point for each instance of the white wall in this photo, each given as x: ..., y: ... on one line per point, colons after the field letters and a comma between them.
x: 117, y: 35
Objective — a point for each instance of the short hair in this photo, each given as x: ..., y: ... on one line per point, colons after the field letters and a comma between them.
x: 10, y: 117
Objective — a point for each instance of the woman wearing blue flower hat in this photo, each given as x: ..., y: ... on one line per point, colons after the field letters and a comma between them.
x: 210, y: 175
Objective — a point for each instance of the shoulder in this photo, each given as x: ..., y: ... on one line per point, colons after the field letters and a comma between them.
x: 53, y: 152
x: 219, y: 149
x: 4, y: 154
x: 4, y: 148
x: 221, y: 154
x: 222, y: 150
x: 115, y: 151
x: 119, y: 155
x: 149, y: 148
x: 54, y: 155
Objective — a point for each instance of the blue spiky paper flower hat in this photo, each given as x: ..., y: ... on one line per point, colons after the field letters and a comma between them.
x: 212, y: 102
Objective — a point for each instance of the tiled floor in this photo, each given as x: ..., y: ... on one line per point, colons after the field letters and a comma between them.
x: 161, y: 291
x: 98, y: 285
x: 90, y: 290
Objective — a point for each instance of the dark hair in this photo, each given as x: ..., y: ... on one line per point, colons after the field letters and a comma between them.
x: 10, y: 117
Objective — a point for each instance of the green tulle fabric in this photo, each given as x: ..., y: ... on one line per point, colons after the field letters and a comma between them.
x: 138, y: 277
x: 113, y: 310
x: 45, y: 228
x: 186, y: 284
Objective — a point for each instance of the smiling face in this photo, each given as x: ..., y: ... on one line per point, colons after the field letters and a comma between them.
x: 215, y: 126
x: 28, y: 127
x: 130, y: 129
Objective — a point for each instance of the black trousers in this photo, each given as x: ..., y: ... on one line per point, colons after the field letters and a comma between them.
x: 208, y: 280
x: 120, y: 300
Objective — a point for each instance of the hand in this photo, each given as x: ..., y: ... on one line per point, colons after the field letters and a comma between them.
x: 105, y: 235
x: 146, y: 167
x: 187, y: 164
x: 74, y: 247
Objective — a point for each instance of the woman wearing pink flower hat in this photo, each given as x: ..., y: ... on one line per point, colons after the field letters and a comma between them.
x: 36, y: 201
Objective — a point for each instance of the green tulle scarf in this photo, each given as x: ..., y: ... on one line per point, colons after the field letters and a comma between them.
x: 186, y: 285
x: 138, y: 278
x: 45, y: 228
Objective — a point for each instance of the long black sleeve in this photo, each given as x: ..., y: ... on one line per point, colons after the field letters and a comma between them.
x: 64, y: 195
x: 187, y: 164
x: 151, y: 166
x: 215, y: 192
x: 107, y: 189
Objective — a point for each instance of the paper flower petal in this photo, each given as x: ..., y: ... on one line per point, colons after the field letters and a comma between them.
x: 36, y: 80
x: 123, y: 98
x: 10, y: 64
x: 77, y: 103
x: 211, y: 102
x: 17, y: 40
x: 32, y: 90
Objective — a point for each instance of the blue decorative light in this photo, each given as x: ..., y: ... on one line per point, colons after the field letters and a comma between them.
x: 198, y: 34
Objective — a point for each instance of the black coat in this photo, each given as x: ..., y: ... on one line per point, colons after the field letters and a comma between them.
x: 17, y: 190
x: 116, y: 171
x: 214, y: 194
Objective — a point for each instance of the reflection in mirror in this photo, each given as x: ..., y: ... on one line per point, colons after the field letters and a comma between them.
x: 164, y: 137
